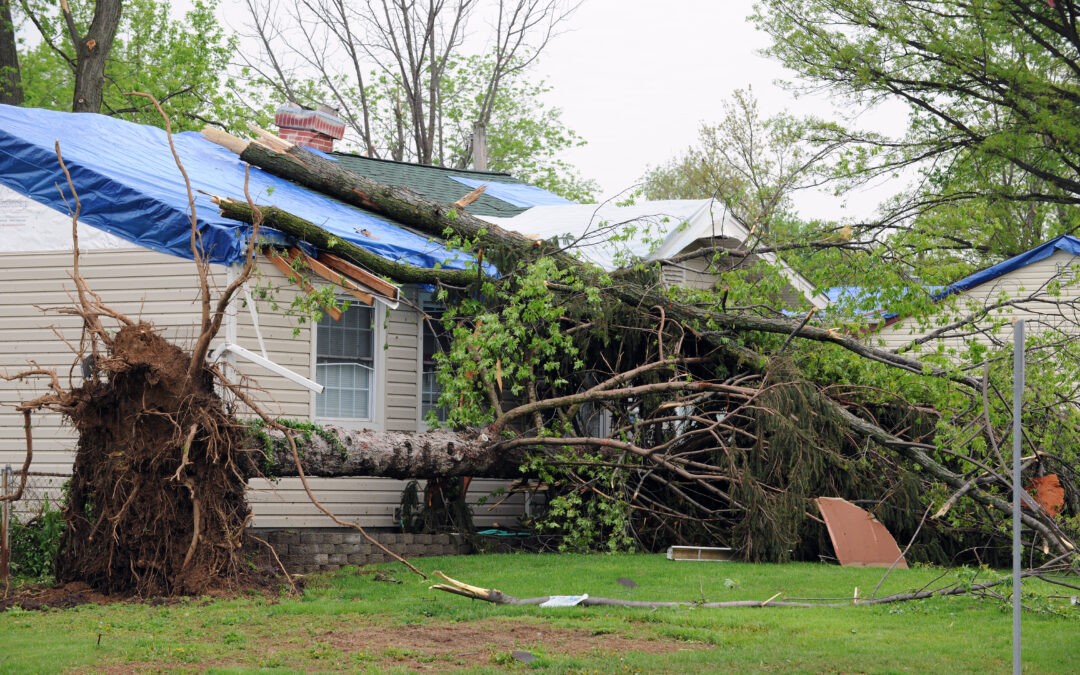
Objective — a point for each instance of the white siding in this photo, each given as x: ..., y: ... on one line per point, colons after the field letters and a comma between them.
x: 1020, y: 283
x: 163, y: 289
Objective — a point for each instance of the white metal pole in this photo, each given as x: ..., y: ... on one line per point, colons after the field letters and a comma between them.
x: 1018, y: 404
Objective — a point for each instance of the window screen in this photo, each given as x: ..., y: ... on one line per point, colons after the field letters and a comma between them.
x: 344, y: 364
x: 435, y: 340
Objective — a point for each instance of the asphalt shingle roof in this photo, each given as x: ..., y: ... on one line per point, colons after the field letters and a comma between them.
x: 433, y: 182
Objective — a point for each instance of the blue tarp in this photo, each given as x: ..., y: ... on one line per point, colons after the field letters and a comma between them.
x: 518, y: 194
x: 859, y: 294
x: 130, y: 187
x: 1065, y: 242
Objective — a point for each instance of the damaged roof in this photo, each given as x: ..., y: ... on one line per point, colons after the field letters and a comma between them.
x: 129, y: 186
x: 449, y: 185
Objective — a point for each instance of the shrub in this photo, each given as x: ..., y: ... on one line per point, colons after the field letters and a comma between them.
x: 34, y: 544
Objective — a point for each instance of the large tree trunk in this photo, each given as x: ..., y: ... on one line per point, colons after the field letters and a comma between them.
x: 11, y: 91
x: 92, y: 53
x: 389, y: 454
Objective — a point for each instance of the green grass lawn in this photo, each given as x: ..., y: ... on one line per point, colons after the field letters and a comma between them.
x: 349, y: 622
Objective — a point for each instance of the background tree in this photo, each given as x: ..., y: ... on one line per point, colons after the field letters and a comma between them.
x: 755, y: 166
x: 403, y: 79
x: 183, y: 62
x: 10, y: 76
x: 991, y: 90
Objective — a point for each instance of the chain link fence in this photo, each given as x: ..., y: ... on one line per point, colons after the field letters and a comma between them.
x: 41, y: 495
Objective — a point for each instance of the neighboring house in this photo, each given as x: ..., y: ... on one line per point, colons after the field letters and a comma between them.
x: 612, y: 235
x: 1041, y: 286
x: 372, y: 364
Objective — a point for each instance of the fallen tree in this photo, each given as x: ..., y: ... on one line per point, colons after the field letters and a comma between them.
x: 673, y: 445
x: 654, y: 418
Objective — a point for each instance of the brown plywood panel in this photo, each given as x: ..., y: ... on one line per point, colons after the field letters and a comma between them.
x: 857, y: 537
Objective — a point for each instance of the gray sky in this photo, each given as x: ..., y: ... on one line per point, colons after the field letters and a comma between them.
x: 636, y: 80
x: 637, y: 77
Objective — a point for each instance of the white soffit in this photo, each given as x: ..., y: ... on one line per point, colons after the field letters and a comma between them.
x: 590, y: 227
x: 26, y: 226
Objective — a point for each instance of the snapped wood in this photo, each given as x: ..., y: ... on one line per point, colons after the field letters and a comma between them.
x: 337, y: 278
x: 290, y: 273
x: 359, y: 275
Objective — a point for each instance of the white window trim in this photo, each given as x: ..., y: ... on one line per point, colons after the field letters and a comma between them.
x: 421, y: 425
x: 378, y: 384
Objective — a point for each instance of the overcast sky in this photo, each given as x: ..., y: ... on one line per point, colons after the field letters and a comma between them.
x: 636, y: 80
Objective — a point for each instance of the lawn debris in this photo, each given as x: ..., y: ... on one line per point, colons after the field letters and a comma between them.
x: 497, y: 597
x: 700, y: 553
x: 524, y: 657
x: 857, y: 537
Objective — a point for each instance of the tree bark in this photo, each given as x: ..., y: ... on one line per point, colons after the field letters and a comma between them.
x: 388, y: 454
x: 92, y: 52
x: 11, y: 92
x: 399, y: 204
x: 313, y: 234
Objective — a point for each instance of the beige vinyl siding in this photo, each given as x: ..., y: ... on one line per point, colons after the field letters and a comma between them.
x: 163, y: 289
x: 371, y: 502
x: 1022, y: 282
x: 282, y: 397
x: 402, y: 368
x: 137, y: 282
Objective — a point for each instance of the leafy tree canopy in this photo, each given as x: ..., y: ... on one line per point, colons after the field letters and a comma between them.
x: 182, y: 62
x: 991, y: 90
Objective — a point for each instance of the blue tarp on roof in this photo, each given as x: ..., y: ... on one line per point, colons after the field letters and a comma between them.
x: 517, y: 194
x: 859, y: 294
x: 1065, y: 242
x: 130, y: 187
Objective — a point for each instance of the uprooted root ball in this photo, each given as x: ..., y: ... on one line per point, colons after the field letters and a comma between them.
x: 156, y: 505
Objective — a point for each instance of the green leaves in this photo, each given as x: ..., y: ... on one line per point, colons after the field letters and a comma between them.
x: 184, y: 63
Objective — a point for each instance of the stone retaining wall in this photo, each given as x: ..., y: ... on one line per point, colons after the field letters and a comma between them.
x: 307, y: 550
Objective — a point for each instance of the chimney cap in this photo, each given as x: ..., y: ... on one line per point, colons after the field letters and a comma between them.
x: 323, y: 121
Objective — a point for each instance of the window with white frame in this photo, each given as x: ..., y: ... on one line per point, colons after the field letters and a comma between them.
x: 345, y: 364
x: 435, y: 340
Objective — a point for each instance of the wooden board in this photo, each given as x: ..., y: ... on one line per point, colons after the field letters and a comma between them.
x: 857, y: 537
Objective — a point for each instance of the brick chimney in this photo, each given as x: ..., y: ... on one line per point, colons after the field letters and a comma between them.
x: 316, y: 129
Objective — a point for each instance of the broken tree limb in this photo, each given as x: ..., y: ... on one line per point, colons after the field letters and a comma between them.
x: 497, y: 597
x: 411, y: 209
x: 397, y: 203
x: 716, y: 328
x: 304, y: 230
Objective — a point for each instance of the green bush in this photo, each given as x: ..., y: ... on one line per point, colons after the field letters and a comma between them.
x: 34, y: 544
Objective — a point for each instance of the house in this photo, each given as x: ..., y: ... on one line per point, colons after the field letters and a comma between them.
x: 373, y: 364
x: 1041, y: 286
x: 134, y: 238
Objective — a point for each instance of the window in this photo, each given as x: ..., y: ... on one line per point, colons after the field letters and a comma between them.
x: 345, y: 364
x: 435, y: 340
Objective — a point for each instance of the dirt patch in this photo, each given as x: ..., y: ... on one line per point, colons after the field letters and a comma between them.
x: 439, y: 647
x: 57, y: 597
x: 433, y: 647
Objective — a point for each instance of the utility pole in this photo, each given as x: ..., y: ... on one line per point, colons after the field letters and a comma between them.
x: 1018, y: 434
